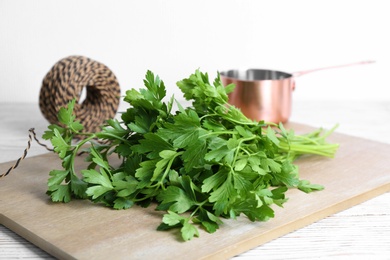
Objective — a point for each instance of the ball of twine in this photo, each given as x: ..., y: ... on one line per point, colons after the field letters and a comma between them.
x: 66, y: 81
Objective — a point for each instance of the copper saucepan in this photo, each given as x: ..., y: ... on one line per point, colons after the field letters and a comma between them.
x: 266, y: 94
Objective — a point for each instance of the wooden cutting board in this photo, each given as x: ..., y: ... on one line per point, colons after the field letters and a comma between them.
x: 83, y: 230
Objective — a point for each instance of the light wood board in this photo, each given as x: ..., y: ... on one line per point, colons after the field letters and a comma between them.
x: 83, y: 230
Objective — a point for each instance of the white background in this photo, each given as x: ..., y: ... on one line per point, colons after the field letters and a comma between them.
x: 174, y: 38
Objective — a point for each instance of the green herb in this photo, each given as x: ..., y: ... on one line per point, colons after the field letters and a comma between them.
x: 200, y: 164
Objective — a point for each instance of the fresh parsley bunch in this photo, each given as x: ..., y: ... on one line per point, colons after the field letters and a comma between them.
x: 200, y: 164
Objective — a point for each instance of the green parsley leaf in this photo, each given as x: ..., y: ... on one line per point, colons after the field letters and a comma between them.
x: 59, y: 193
x: 179, y: 201
x: 188, y: 231
x: 60, y: 145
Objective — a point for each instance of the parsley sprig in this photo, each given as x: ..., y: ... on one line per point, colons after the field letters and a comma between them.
x: 199, y: 164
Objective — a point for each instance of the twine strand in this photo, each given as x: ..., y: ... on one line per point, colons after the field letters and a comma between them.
x: 31, y: 135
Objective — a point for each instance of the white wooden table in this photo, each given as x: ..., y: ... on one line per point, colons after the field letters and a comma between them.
x: 360, y: 232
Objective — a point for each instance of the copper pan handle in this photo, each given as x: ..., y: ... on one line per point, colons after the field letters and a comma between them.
x: 300, y: 73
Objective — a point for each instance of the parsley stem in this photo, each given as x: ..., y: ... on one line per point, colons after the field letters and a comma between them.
x: 240, y: 122
x: 229, y: 118
x: 240, y: 145
x: 246, y: 151
x: 77, y: 148
x: 198, y: 206
x: 105, y: 134
x: 305, y: 138
x: 327, y: 150
x: 218, y: 133
x: 167, y: 169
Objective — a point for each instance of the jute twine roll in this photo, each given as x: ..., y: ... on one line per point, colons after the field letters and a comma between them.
x: 66, y: 80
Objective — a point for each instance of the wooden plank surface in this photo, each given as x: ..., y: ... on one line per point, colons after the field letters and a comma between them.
x: 84, y: 230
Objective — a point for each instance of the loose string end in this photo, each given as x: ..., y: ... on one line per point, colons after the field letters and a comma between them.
x: 31, y: 135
